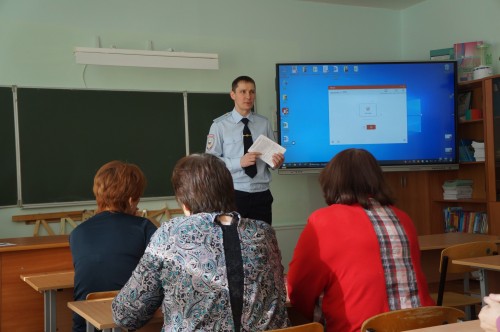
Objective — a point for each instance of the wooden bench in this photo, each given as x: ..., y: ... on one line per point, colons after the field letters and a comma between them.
x: 158, y: 216
x: 43, y: 220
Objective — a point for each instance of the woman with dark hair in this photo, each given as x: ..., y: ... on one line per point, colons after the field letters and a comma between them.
x: 361, y: 253
x: 210, y: 270
x: 107, y: 247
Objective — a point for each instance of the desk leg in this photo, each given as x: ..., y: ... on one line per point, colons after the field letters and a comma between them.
x: 49, y: 308
x: 483, y: 282
x: 90, y: 327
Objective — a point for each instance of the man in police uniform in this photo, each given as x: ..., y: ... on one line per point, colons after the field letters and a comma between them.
x: 225, y: 140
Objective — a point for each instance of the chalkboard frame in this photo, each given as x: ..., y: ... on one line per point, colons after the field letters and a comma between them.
x: 8, y: 170
x: 29, y: 160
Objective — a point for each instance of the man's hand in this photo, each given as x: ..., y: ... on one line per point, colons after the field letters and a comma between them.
x: 249, y: 159
x: 278, y: 160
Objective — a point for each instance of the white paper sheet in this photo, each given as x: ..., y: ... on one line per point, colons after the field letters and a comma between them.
x: 267, y: 148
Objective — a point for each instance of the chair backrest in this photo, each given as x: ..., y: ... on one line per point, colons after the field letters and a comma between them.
x: 414, y: 318
x: 458, y: 251
x: 465, y: 250
x: 102, y: 295
x: 309, y: 327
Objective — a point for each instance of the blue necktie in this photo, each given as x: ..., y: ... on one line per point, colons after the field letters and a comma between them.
x: 251, y: 171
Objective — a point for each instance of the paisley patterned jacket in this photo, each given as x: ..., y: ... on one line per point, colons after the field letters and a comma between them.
x: 183, y: 270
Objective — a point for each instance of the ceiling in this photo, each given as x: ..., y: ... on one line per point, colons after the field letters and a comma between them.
x: 388, y: 4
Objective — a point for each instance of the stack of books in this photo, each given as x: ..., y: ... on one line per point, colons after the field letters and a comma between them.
x: 457, y: 189
x: 458, y: 220
x: 478, y: 150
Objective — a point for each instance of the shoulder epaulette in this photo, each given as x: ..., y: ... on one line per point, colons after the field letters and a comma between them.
x: 222, y: 117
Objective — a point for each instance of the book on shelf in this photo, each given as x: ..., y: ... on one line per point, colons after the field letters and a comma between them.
x: 466, y: 151
x: 456, y: 219
x: 463, y: 104
x: 457, y: 183
x: 478, y: 150
x: 455, y: 196
x: 443, y: 54
x: 468, y: 56
x: 457, y: 189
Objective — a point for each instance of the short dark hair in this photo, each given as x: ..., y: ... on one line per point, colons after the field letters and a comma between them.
x: 115, y: 183
x: 239, y: 79
x: 203, y: 183
x: 354, y: 176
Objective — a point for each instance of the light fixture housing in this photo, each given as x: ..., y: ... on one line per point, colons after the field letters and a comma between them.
x: 145, y: 58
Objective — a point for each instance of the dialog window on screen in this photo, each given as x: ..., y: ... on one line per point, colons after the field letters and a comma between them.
x: 367, y: 114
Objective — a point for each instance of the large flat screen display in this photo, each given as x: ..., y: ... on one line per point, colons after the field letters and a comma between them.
x: 404, y: 113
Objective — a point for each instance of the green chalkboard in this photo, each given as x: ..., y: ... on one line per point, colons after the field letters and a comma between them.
x: 203, y: 108
x: 66, y: 135
x: 8, y: 182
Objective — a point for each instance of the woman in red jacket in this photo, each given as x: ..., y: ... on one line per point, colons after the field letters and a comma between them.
x: 361, y: 253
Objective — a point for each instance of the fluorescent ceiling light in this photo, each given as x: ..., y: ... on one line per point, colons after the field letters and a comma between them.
x: 143, y: 58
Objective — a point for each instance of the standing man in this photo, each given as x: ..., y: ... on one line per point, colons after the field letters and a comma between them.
x: 230, y: 136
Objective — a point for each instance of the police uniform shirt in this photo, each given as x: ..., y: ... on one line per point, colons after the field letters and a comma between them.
x: 225, y: 140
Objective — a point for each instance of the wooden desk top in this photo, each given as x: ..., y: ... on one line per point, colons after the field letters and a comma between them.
x: 50, y: 280
x: 485, y: 262
x: 441, y: 241
x: 98, y: 312
x: 469, y: 326
x: 35, y: 242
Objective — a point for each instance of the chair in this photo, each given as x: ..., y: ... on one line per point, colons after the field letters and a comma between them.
x: 102, y: 295
x: 465, y: 298
x: 309, y: 327
x: 413, y: 318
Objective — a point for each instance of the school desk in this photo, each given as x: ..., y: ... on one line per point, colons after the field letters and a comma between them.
x: 491, y: 263
x: 98, y: 314
x: 49, y: 283
x: 469, y: 326
x: 432, y: 245
x: 21, y: 308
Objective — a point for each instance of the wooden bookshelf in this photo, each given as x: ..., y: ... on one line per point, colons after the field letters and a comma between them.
x: 420, y: 193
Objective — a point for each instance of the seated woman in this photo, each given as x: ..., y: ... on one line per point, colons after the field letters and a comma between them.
x: 210, y: 270
x: 107, y: 247
x: 360, y: 251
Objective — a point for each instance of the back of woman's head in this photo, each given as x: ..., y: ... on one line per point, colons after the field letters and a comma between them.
x: 354, y: 176
x: 203, y: 184
x: 115, y: 183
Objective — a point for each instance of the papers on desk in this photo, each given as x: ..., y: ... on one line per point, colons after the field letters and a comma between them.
x: 267, y: 148
x: 6, y: 244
